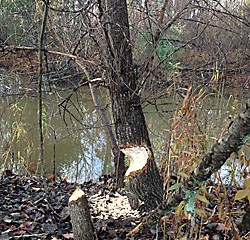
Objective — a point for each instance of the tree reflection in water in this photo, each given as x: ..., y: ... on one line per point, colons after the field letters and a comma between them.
x: 75, y: 138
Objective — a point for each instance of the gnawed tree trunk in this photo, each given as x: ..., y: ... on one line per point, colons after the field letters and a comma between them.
x: 82, y: 224
x: 232, y: 139
x: 143, y: 178
x: 130, y: 125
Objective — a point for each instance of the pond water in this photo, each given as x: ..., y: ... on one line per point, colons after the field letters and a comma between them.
x: 75, y: 142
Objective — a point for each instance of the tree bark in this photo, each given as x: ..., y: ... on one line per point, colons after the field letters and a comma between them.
x: 232, y: 139
x: 82, y: 224
x: 130, y: 125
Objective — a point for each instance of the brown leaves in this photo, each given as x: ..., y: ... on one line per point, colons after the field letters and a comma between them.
x: 28, y: 211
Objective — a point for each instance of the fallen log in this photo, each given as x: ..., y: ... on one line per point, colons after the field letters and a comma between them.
x: 231, y: 140
x: 82, y: 224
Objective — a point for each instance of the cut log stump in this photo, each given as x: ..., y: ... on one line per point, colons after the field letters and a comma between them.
x: 81, y: 221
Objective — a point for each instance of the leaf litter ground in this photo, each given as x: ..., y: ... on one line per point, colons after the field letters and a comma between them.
x: 30, y: 211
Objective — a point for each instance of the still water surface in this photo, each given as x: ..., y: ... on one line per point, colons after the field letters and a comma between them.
x: 75, y: 141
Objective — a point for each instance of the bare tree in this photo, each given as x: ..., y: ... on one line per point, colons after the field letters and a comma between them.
x: 130, y: 126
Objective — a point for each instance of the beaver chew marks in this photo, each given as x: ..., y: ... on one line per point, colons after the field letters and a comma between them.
x: 138, y: 157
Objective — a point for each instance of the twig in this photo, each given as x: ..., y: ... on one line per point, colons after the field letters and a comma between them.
x: 31, y: 235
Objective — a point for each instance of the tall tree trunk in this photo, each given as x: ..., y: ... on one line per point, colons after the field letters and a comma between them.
x: 144, y: 180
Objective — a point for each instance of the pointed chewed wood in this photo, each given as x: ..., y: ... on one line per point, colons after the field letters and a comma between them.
x: 82, y: 223
x: 77, y: 194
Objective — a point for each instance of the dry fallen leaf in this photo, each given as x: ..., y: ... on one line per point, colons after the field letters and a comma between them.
x: 220, y: 227
x: 68, y: 235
